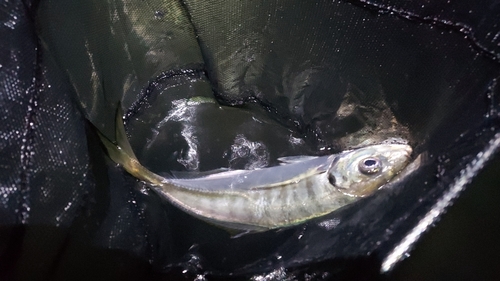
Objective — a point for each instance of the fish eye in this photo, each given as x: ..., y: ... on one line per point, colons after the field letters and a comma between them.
x: 369, y: 166
x: 331, y: 179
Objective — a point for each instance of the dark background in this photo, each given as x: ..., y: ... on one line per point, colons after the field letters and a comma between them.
x: 465, y: 244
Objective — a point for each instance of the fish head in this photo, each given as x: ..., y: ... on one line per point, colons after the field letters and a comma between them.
x: 360, y: 172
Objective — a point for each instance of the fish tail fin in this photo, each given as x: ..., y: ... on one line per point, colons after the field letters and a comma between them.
x: 120, y: 134
x: 121, y: 153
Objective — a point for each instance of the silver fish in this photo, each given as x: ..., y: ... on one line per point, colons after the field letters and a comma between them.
x: 274, y: 197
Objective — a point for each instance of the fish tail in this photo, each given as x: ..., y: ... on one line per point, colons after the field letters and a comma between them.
x: 121, y: 153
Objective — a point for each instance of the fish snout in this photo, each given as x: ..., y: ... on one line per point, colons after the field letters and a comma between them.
x: 408, y: 150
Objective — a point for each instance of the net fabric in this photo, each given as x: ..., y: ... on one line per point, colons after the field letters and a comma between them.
x: 310, y: 87
x: 111, y: 49
x: 471, y: 19
x: 39, y: 128
x: 291, y: 73
x: 45, y: 179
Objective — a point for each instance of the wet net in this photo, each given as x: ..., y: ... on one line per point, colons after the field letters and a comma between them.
x: 234, y: 84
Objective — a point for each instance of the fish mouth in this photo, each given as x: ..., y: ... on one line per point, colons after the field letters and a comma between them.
x: 408, y: 150
x: 403, y: 150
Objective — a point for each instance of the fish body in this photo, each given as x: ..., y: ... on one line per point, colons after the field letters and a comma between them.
x: 274, y: 197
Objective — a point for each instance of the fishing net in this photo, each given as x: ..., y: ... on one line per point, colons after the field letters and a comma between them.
x: 234, y: 84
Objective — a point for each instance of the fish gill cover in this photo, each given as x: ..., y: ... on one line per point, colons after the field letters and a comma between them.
x: 211, y: 84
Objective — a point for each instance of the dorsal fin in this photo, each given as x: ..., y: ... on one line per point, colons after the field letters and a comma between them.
x: 295, y: 159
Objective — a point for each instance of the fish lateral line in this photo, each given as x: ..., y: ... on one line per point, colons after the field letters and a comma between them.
x: 293, y: 193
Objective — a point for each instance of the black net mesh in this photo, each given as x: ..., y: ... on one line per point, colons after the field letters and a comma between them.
x: 237, y: 84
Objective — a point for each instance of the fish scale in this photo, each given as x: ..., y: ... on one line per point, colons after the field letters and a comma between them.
x: 258, y: 200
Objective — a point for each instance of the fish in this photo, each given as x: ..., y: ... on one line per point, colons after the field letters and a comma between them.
x: 275, y: 197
